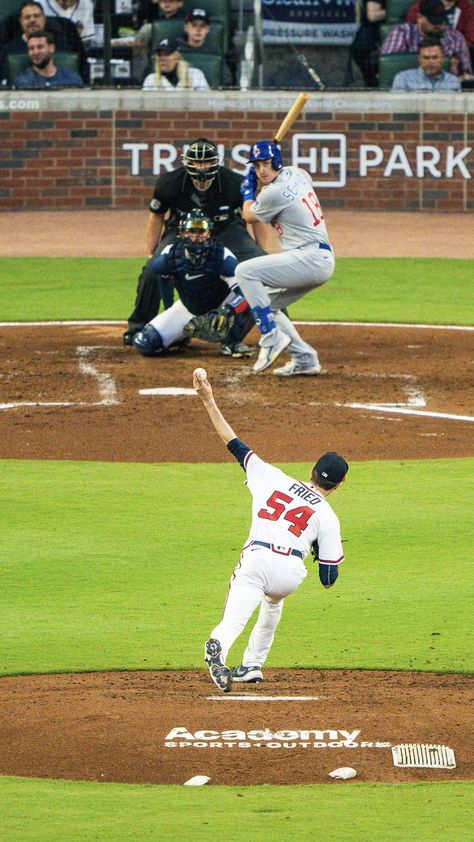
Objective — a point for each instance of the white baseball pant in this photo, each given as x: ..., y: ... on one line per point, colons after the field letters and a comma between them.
x: 262, y: 578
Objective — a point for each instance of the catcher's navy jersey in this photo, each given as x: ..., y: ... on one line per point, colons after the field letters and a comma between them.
x: 201, y: 287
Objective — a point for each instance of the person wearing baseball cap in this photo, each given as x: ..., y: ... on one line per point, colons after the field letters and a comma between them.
x: 197, y: 26
x: 291, y: 518
x: 431, y: 22
x: 172, y: 72
x: 459, y: 15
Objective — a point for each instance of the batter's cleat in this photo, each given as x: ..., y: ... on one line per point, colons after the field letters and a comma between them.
x: 236, y: 350
x: 271, y: 346
x: 148, y: 341
x: 220, y: 674
x: 293, y: 368
x: 247, y: 675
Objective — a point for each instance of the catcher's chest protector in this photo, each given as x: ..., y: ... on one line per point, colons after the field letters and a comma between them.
x: 200, y: 286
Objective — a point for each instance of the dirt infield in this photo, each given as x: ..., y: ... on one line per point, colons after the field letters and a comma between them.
x: 385, y: 393
x: 122, y: 234
x: 165, y: 727
x: 59, y: 378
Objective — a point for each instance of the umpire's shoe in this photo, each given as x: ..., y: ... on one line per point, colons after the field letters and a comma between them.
x: 220, y: 674
x: 271, y: 346
x: 247, y: 675
x: 128, y: 337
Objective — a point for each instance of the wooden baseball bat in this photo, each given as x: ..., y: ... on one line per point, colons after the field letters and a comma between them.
x: 292, y: 115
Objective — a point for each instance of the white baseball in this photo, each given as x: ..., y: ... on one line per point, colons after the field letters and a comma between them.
x: 200, y: 373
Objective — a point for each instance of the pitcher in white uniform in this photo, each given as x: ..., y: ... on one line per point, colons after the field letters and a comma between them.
x: 290, y: 518
x: 285, y: 197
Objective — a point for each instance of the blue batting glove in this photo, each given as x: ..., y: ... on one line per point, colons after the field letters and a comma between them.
x: 248, y: 186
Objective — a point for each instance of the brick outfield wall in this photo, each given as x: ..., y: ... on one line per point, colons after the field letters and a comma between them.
x: 69, y: 159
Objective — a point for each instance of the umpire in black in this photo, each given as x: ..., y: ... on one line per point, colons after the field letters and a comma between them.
x: 201, y: 183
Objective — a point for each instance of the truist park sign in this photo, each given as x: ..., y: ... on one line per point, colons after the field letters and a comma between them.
x: 332, y: 158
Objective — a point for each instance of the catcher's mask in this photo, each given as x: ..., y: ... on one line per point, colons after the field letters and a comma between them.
x: 195, y: 231
x: 201, y: 161
x: 266, y: 151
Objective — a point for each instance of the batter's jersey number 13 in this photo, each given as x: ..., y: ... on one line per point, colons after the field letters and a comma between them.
x: 278, y: 507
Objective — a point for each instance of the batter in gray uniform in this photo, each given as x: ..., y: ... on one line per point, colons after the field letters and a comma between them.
x: 283, y: 196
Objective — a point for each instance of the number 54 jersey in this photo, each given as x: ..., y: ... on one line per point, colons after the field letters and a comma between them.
x: 291, y: 205
x: 290, y: 514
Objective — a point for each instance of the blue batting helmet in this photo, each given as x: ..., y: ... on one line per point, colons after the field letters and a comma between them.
x: 266, y: 151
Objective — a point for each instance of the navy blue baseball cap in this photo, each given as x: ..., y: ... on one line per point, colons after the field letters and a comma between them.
x: 331, y: 466
x: 433, y: 10
x: 168, y: 45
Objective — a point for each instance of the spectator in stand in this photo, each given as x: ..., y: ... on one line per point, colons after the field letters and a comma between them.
x: 32, y: 20
x: 172, y: 73
x: 431, y: 22
x: 197, y: 26
x: 43, y: 73
x: 429, y: 75
x: 459, y: 16
x: 150, y: 10
x: 366, y: 44
x: 80, y: 12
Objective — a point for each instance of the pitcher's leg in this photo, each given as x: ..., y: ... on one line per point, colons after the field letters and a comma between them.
x: 263, y: 632
x: 241, y: 602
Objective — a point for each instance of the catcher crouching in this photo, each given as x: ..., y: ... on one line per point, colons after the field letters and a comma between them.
x: 210, y: 306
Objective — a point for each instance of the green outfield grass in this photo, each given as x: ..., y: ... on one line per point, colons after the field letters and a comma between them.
x: 395, y: 290
x: 94, y: 578
x: 54, y: 811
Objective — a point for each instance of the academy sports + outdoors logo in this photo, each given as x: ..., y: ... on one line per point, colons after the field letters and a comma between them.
x: 180, y: 737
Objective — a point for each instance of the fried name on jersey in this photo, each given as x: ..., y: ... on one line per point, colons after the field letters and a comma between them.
x: 305, y: 493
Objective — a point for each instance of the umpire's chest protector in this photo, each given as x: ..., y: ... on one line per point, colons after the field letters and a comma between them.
x: 200, y: 286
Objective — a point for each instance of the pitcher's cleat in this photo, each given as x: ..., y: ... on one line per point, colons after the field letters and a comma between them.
x: 220, y: 674
x: 247, y: 675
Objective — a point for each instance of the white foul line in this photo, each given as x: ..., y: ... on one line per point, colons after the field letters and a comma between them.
x: 401, y: 410
x: 90, y: 322
x: 384, y: 324
x: 250, y: 698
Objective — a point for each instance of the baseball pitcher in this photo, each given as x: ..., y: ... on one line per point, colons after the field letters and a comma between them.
x: 290, y: 518
x: 283, y: 196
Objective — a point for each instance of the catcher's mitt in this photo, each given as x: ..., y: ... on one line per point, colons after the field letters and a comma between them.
x: 213, y: 326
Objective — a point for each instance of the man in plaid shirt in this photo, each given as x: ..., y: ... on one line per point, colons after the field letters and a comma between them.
x: 406, y: 37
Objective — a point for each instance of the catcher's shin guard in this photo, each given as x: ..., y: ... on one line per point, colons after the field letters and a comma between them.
x: 148, y: 341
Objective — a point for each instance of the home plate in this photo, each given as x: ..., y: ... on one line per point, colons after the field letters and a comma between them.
x: 168, y: 390
x: 248, y: 697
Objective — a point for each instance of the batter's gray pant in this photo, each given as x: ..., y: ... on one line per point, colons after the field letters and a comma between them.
x: 276, y: 280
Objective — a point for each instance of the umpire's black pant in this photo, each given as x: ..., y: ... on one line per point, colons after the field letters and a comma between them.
x: 149, y: 295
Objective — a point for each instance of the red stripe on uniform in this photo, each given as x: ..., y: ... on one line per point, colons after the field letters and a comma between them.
x: 249, y: 454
